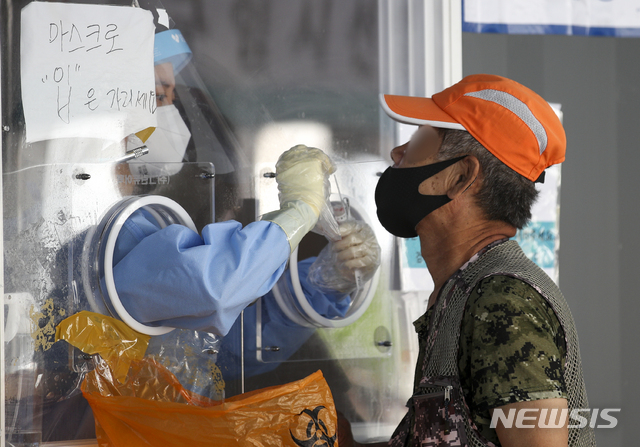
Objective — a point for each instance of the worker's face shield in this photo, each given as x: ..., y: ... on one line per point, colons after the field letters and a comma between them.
x: 190, y: 126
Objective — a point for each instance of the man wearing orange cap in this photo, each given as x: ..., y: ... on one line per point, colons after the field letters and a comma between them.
x: 498, y: 348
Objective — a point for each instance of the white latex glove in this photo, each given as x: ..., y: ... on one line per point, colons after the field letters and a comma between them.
x: 347, y: 264
x: 302, y: 174
x: 358, y: 249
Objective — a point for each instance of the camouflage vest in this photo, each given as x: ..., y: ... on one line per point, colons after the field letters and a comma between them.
x: 438, y: 415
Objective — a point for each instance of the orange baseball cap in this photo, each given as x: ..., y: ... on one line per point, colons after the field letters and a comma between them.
x: 511, y: 121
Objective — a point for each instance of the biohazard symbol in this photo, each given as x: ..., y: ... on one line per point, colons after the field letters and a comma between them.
x: 317, y: 433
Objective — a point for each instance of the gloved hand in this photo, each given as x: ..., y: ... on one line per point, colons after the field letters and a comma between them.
x: 358, y: 250
x: 347, y: 264
x: 302, y: 174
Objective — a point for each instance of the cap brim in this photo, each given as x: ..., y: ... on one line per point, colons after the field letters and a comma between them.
x: 418, y: 111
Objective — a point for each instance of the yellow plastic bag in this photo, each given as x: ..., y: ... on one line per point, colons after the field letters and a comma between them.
x: 112, y: 339
x: 152, y: 409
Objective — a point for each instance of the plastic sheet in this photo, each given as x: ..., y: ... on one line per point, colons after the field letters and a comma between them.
x: 137, y: 400
x: 346, y: 265
x: 152, y: 408
x: 112, y: 339
x: 192, y: 357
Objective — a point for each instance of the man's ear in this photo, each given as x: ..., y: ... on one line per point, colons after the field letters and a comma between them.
x: 463, y: 176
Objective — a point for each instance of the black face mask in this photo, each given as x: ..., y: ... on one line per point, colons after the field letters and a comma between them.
x: 400, y: 205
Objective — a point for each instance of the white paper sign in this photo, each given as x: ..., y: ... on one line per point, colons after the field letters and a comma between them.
x: 605, y: 16
x: 87, y: 71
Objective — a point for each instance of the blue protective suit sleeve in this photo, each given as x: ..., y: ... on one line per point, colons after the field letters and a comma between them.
x: 328, y: 304
x: 175, y: 277
x: 277, y: 329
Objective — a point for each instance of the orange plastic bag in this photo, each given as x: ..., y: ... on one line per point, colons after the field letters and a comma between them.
x: 152, y: 409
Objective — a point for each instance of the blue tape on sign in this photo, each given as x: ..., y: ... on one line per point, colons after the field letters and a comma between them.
x: 499, y: 28
x: 413, y: 252
x: 542, y: 28
x: 614, y: 32
x: 538, y: 241
x: 170, y: 46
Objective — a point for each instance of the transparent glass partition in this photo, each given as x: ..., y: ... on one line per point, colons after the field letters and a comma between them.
x: 52, y: 239
x: 260, y: 77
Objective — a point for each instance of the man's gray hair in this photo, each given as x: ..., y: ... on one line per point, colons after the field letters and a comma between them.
x: 504, y: 195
